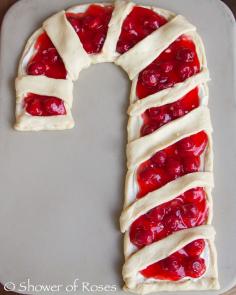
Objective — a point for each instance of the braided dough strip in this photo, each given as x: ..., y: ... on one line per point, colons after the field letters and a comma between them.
x: 143, y: 53
x: 67, y: 44
x: 165, y: 194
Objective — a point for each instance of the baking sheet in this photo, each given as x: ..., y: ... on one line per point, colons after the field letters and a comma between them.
x: 62, y: 192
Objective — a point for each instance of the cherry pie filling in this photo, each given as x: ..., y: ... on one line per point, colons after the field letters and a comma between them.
x: 140, y: 23
x: 179, y: 159
x: 183, y: 263
x: 91, y: 26
x: 46, y: 61
x: 187, y: 210
x: 38, y: 105
x: 156, y: 117
x: 177, y: 63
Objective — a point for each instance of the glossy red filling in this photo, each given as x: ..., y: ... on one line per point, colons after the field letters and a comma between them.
x: 38, y: 105
x: 91, y: 26
x: 177, y: 63
x: 185, y: 262
x: 140, y: 23
x: 179, y: 159
x: 187, y: 210
x: 156, y: 117
x: 46, y: 60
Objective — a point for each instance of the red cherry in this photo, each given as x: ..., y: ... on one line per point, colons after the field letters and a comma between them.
x: 36, y: 69
x: 174, y: 167
x: 191, y: 164
x: 173, y: 223
x: 156, y: 214
x: 88, y: 46
x: 98, y: 41
x: 156, y: 114
x: 153, y: 176
x: 185, y: 55
x: 159, y: 158
x: 185, y: 71
x: 34, y: 107
x: 190, y: 214
x: 163, y: 79
x: 193, y: 145
x: 190, y: 210
x: 150, y: 78
x: 170, y: 269
x: 165, y: 83
x: 195, y: 248
x: 152, y: 23
x: 171, y: 150
x: 200, y: 141
x: 175, y: 208
x: 185, y: 146
x: 195, y: 267
x: 142, y: 236
x: 54, y: 106
x: 171, y: 263
x: 167, y: 118
x: 75, y: 23
x: 166, y: 67
x: 128, y: 25
x: 176, y: 203
x: 195, y: 195
x: 92, y: 22
x: 53, y: 55
x: 149, y: 128
x: 177, y: 110
x: 123, y: 46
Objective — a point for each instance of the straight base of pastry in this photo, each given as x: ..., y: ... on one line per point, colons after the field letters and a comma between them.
x: 31, y: 123
x: 188, y: 285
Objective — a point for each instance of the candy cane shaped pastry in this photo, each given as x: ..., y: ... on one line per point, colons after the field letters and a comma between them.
x: 168, y: 207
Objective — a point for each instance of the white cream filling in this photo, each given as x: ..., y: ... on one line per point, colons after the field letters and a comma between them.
x: 28, y: 57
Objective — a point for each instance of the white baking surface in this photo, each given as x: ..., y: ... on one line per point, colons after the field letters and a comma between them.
x: 62, y: 192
